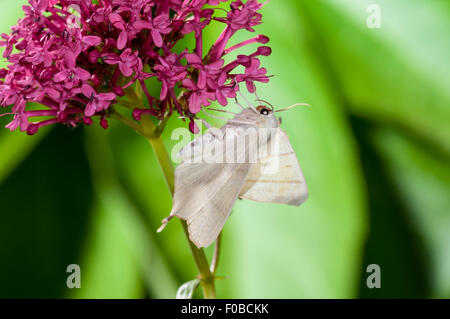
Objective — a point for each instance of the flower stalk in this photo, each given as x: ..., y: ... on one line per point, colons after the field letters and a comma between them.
x: 205, y: 274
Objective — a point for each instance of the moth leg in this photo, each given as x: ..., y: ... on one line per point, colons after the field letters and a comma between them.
x: 208, y: 126
x: 244, y: 98
x: 238, y: 104
x: 164, y: 223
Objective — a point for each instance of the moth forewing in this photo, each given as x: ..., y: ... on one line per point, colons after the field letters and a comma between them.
x: 249, y: 157
x: 252, y: 145
x: 190, y: 153
x: 205, y: 192
x: 245, y: 142
x: 269, y: 147
x: 277, y: 178
x: 205, y: 224
x: 231, y: 145
x: 201, y: 149
x: 212, y: 151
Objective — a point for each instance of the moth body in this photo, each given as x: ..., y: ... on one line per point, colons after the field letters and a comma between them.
x: 263, y: 167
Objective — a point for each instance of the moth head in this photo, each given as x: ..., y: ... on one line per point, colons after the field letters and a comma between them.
x: 264, y: 110
x: 266, y: 117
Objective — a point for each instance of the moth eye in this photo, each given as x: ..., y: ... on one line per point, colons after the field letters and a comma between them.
x: 263, y: 110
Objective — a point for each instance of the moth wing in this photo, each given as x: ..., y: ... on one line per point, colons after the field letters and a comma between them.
x: 277, y: 177
x: 209, y: 205
x: 193, y: 151
x: 205, y: 194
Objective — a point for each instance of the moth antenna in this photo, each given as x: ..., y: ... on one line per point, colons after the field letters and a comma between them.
x: 208, y: 126
x: 244, y: 98
x: 238, y: 104
x: 213, y: 116
x: 253, y: 109
x: 293, y: 105
x: 164, y: 223
x: 227, y: 120
x: 248, y: 102
x: 223, y: 111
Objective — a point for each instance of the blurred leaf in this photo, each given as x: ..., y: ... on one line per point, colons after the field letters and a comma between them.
x: 108, y: 266
x: 144, y: 183
x: 186, y: 290
x: 394, y: 242
x: 128, y: 224
x: 15, y: 147
x: 398, y: 74
x: 423, y: 180
x: 44, y: 212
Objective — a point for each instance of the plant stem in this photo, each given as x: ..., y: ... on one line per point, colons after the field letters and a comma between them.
x: 164, y: 161
x: 116, y: 115
x: 216, y: 256
x: 206, y: 277
x: 152, y: 132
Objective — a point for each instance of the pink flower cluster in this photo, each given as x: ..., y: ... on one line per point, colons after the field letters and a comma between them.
x: 77, y: 58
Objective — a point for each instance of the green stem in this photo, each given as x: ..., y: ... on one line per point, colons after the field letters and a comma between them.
x: 152, y: 132
x: 164, y: 161
x: 116, y: 115
x: 216, y: 255
x: 206, y: 277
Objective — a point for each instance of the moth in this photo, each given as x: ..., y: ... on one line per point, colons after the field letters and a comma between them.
x: 206, y: 190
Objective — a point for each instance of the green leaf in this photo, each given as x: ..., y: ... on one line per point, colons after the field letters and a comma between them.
x: 186, y: 290
x: 422, y: 177
x: 44, y: 211
x: 398, y: 74
x: 108, y: 265
x: 15, y: 147
x: 139, y: 171
x: 128, y: 225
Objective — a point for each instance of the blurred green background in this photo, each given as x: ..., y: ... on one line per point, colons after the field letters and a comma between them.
x: 374, y: 148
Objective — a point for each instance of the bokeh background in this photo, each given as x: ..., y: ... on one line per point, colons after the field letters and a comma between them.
x: 374, y: 148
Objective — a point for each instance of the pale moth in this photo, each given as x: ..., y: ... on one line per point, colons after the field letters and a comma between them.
x: 250, y: 157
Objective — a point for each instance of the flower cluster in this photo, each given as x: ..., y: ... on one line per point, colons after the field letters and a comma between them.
x: 77, y: 58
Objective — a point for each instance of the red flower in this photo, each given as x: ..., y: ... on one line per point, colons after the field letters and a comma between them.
x: 79, y: 71
x: 97, y: 101
x: 198, y: 96
x: 71, y: 75
x: 253, y: 73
